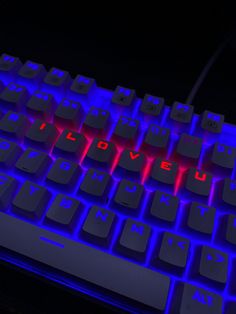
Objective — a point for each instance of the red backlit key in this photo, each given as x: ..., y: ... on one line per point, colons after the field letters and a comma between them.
x: 41, y: 134
x: 70, y: 145
x: 131, y: 164
x: 198, y: 182
x: 163, y: 171
x: 101, y: 154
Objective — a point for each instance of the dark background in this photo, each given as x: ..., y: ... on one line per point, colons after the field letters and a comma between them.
x: 158, y: 50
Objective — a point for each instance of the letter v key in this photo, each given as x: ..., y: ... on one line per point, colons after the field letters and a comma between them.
x: 133, y: 155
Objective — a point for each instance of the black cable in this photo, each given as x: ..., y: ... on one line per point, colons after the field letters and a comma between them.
x: 206, y: 69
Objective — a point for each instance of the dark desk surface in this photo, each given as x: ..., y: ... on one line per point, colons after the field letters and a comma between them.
x: 159, y: 52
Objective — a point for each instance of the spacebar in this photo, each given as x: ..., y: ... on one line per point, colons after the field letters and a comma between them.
x: 102, y: 269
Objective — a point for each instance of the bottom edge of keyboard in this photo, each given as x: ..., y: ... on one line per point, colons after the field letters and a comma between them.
x: 122, y: 278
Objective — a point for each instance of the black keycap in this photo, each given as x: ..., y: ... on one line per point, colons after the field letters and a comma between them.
x: 189, y: 149
x: 133, y: 241
x: 64, y: 173
x: 68, y: 114
x: 123, y: 96
x: 83, y: 85
x: 98, y: 226
x: 33, y: 163
x: 152, y: 105
x: 32, y: 71
x: 182, y: 113
x: 174, y: 250
x: 70, y: 145
x: 40, y: 105
x: 13, y: 96
x: 225, y: 195
x: 13, y: 125
x: 131, y: 164
x: 163, y: 171
x: 198, y: 182
x: 64, y: 212
x: 8, y: 187
x: 126, y: 130
x: 231, y: 229
x: 57, y: 78
x: 9, y: 153
x: 223, y: 158
x: 156, y: 140
x: 196, y: 300
x: 96, y: 185
x: 201, y: 218
x: 129, y: 195
x: 41, y: 134
x: 101, y: 154
x: 31, y: 200
x: 212, y: 122
x: 136, y: 283
x: 9, y: 65
x: 213, y: 264
x: 96, y: 121
x: 164, y: 206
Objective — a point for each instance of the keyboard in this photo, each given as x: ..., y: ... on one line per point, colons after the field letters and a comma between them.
x: 126, y: 200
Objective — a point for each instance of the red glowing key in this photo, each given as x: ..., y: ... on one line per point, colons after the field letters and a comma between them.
x: 198, y: 182
x: 200, y: 177
x: 166, y: 165
x: 70, y: 136
x: 133, y: 155
x: 131, y: 164
x: 43, y: 126
x: 102, y: 145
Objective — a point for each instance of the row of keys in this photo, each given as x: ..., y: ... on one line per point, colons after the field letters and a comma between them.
x: 170, y: 254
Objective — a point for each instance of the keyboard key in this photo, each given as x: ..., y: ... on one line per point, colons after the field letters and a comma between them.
x: 96, y: 121
x: 123, y: 96
x: 68, y: 114
x: 98, y: 226
x: 225, y: 195
x: 70, y: 145
x: 198, y: 182
x: 9, y: 153
x: 9, y: 66
x: 201, y: 218
x: 8, y: 187
x: 212, y: 122
x: 133, y: 241
x: 126, y: 130
x: 136, y: 283
x: 174, y: 251
x: 131, y: 164
x: 101, y: 154
x: 164, y: 172
x: 14, y: 96
x: 32, y: 72
x: 221, y: 159
x: 164, y: 206
x: 152, y: 105
x: 156, y: 140
x: 83, y: 85
x: 31, y: 200
x: 64, y: 212
x: 14, y: 125
x: 231, y: 229
x: 64, y: 173
x: 129, y: 195
x: 181, y: 113
x: 196, y: 300
x: 188, y: 149
x: 57, y: 78
x: 41, y: 134
x: 40, y: 105
x: 33, y: 163
x: 213, y: 264
x: 96, y: 185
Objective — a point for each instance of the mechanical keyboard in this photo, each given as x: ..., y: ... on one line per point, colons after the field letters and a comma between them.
x: 123, y: 199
